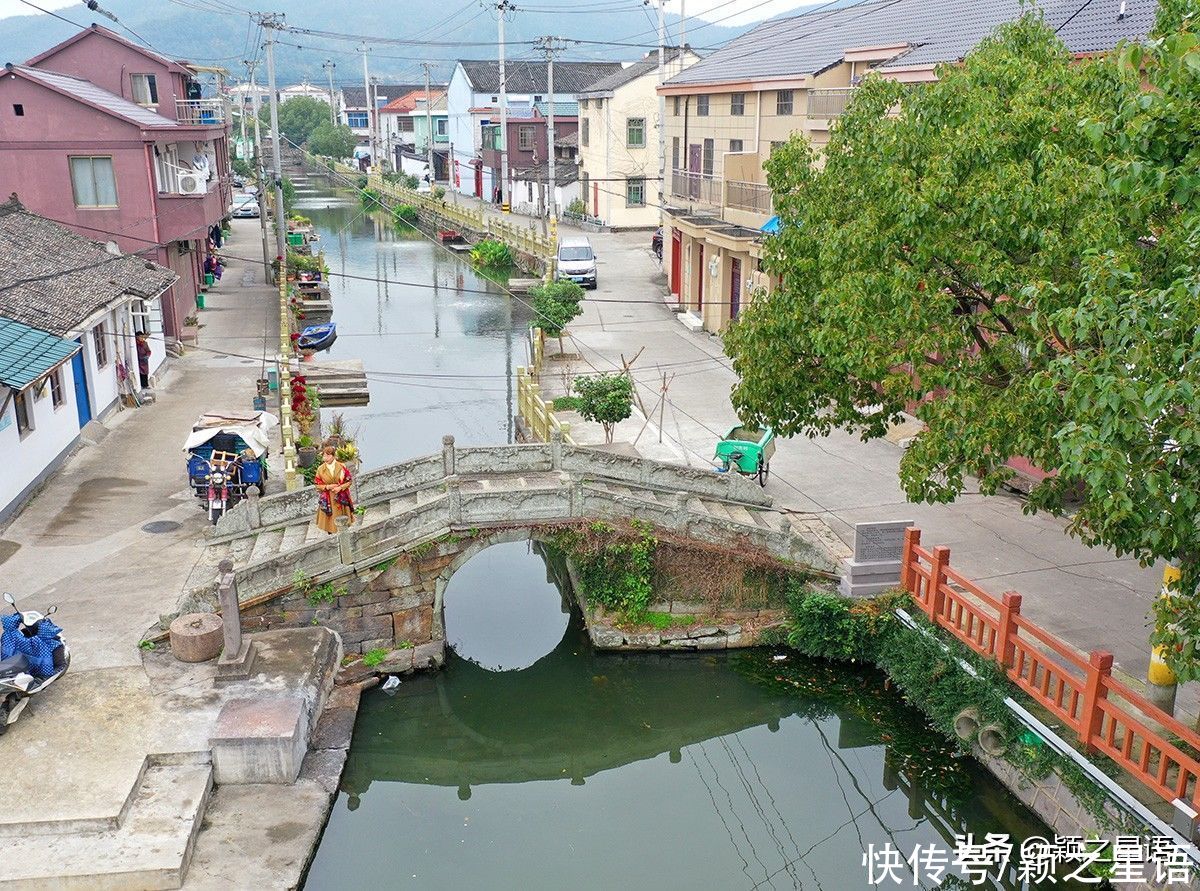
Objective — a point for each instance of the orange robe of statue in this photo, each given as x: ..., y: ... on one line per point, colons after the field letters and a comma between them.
x: 329, y: 479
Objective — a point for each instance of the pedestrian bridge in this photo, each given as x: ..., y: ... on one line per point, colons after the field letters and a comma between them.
x: 508, y: 487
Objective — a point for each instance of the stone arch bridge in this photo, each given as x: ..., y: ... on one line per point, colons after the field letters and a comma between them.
x: 422, y: 519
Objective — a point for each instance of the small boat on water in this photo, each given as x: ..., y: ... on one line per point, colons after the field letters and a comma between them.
x: 317, y: 337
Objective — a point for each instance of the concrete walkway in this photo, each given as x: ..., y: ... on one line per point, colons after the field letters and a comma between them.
x: 1089, y: 597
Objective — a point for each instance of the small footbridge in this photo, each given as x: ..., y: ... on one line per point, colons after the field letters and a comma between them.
x: 508, y: 487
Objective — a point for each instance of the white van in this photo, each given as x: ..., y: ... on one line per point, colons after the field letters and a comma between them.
x: 577, y: 261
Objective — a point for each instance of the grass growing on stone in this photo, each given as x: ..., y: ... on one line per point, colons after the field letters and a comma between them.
x: 663, y: 621
x: 374, y: 657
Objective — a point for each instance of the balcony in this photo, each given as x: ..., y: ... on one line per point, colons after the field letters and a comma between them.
x: 754, y: 197
x: 827, y: 104
x: 201, y: 112
x: 697, y: 188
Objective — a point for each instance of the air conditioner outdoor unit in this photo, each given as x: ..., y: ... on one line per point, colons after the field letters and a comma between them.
x: 191, y: 184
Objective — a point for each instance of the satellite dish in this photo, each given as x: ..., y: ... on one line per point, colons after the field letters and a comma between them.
x: 112, y: 248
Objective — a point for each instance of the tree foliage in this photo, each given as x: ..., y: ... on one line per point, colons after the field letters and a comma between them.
x: 556, y: 305
x: 1008, y: 253
x: 606, y: 399
x: 298, y: 117
x: 330, y: 141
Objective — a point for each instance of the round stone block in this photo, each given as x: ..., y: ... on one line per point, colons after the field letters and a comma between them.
x: 197, y: 637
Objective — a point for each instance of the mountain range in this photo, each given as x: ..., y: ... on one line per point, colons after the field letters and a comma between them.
x: 215, y: 32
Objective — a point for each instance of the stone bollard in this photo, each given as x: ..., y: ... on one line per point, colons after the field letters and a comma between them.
x: 576, y: 498
x: 680, y: 510
x: 252, y: 495
x: 231, y: 614
x: 454, y: 490
x: 448, y: 461
x: 345, y: 552
x: 556, y: 444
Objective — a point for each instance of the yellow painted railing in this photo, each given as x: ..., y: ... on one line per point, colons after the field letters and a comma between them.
x: 536, y: 412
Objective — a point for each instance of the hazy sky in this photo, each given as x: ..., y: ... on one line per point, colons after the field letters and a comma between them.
x: 738, y: 11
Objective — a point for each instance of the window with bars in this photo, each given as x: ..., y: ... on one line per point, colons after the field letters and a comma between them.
x: 635, y: 191
x: 525, y: 138
x: 356, y: 119
x: 56, y: 388
x: 635, y: 132
x: 93, y: 182
x: 24, y: 413
x: 702, y: 106
x: 145, y: 89
x: 674, y: 152
x: 708, y: 157
x: 737, y: 104
x: 100, y: 342
x: 585, y: 131
x: 735, y: 145
x: 675, y: 106
x: 783, y: 102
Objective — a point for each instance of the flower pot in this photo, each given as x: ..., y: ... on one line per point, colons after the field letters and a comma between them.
x: 306, y: 456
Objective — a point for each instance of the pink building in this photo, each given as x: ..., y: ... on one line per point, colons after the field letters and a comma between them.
x: 115, y: 141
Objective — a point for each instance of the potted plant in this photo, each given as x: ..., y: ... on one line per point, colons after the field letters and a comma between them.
x: 306, y: 454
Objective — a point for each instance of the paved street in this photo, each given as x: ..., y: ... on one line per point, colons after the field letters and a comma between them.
x: 1090, y: 598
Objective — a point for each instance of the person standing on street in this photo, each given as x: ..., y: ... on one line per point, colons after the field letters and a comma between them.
x: 143, y: 358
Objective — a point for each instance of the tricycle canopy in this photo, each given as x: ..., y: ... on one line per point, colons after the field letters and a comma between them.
x: 249, y: 426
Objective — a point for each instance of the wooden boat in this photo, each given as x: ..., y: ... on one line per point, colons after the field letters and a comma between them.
x: 317, y: 337
x: 450, y: 236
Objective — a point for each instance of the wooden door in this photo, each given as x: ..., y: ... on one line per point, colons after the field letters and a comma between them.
x: 694, y: 161
x: 700, y: 282
x: 676, y: 260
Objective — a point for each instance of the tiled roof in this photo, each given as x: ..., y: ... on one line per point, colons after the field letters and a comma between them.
x: 530, y: 77
x: 27, y: 353
x: 561, y: 109
x: 354, y: 97
x: 54, y: 279
x: 87, y: 92
x: 935, y: 30
x: 173, y: 64
x: 630, y: 73
x: 407, y: 103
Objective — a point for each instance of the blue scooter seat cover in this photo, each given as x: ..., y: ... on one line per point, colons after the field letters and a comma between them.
x: 39, y: 649
x: 251, y: 473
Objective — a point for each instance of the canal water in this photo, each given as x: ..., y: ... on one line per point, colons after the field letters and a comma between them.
x: 532, y: 761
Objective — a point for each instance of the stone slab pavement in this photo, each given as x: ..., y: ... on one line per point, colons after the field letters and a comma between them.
x: 1087, y: 596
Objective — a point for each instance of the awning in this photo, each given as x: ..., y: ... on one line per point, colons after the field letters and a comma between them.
x: 771, y: 226
x: 26, y: 354
x: 252, y: 427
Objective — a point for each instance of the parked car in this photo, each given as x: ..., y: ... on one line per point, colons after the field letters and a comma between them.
x: 656, y: 242
x: 246, y: 208
x: 577, y: 261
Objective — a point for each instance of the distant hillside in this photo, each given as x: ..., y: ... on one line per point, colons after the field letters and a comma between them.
x: 223, y: 39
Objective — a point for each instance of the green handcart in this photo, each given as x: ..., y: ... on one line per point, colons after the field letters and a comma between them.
x: 747, y: 450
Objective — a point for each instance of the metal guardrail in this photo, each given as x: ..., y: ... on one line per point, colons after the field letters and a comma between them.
x: 748, y: 196
x: 693, y: 186
x: 829, y: 103
x: 200, y: 111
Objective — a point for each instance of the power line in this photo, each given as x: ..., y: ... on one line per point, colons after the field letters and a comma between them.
x: 55, y: 15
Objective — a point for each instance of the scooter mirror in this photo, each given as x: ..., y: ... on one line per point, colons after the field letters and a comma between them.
x: 9, y: 598
x: 52, y: 610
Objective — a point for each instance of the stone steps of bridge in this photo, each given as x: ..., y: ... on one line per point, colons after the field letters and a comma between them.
x: 266, y: 544
x: 294, y: 536
x: 401, y: 505
x: 240, y: 548
x: 376, y: 513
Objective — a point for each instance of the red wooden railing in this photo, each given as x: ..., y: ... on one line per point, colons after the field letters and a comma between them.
x: 1106, y: 715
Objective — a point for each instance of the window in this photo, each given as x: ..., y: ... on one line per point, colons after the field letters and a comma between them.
x: 675, y: 106
x: 735, y: 145
x: 145, y: 89
x: 783, y: 102
x: 708, y: 157
x: 702, y: 106
x: 56, y: 389
x: 674, y: 152
x: 440, y: 126
x: 525, y: 138
x: 356, y: 119
x: 405, y: 125
x: 583, y: 134
x: 93, y: 182
x: 19, y: 109
x: 737, y: 104
x: 776, y: 145
x: 537, y: 98
x: 583, y: 103
x: 100, y: 342
x: 24, y: 415
x: 635, y: 132
x: 495, y: 99
x: 635, y: 191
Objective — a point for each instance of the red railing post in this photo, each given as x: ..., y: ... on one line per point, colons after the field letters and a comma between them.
x: 908, y: 580
x: 1006, y: 628
x: 1099, y: 667
x: 937, y: 577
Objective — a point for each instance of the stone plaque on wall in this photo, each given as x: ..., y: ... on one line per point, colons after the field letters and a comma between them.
x: 875, y: 566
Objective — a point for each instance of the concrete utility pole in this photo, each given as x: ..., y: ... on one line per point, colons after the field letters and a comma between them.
x: 381, y: 145
x: 367, y: 102
x: 662, y: 112
x: 268, y: 269
x: 329, y: 65
x: 550, y: 45
x: 429, y: 126
x: 503, y: 6
x: 271, y: 21
x: 682, y: 25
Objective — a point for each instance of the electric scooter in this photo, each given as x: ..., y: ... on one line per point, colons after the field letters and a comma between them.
x: 19, y: 680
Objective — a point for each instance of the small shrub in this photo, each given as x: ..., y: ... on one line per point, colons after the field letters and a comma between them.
x: 492, y: 254
x: 404, y: 645
x: 147, y: 646
x: 323, y: 594
x: 567, y: 403
x: 406, y: 216
x: 577, y: 206
x: 370, y: 198
x: 606, y: 399
x: 438, y: 192
x: 374, y: 657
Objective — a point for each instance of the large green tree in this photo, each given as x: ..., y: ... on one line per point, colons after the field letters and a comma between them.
x: 1009, y: 252
x: 298, y: 117
x: 332, y: 142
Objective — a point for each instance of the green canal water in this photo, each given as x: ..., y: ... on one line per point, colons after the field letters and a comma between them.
x: 532, y: 761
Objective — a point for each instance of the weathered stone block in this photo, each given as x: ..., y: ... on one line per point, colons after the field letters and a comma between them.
x: 414, y: 625
x: 379, y: 643
x: 429, y: 655
x: 643, y: 640
x: 662, y: 606
x: 716, y: 642
x: 410, y: 599
x: 259, y: 740
x: 702, y: 631
x: 363, y: 598
x: 196, y: 637
x: 606, y: 638
x: 397, y: 575
x: 397, y: 662
x: 688, y: 607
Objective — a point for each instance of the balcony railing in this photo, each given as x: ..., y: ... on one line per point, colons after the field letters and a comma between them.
x: 754, y: 197
x: 703, y: 188
x: 828, y: 103
x: 200, y: 111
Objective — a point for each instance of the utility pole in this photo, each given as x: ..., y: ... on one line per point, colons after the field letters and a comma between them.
x: 367, y: 101
x: 429, y: 126
x: 270, y: 21
x: 550, y: 45
x: 662, y: 113
x: 682, y: 26
x: 268, y: 269
x: 503, y: 6
x: 382, y: 146
x: 329, y: 65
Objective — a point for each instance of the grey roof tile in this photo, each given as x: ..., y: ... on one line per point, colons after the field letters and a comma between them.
x: 353, y: 97
x: 937, y: 31
x: 54, y: 279
x: 530, y: 77
x: 630, y: 73
x: 88, y: 92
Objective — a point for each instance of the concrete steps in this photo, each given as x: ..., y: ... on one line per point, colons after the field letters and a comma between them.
x: 150, y: 849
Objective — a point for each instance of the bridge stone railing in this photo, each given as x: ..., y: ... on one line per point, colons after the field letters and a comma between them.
x: 429, y: 471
